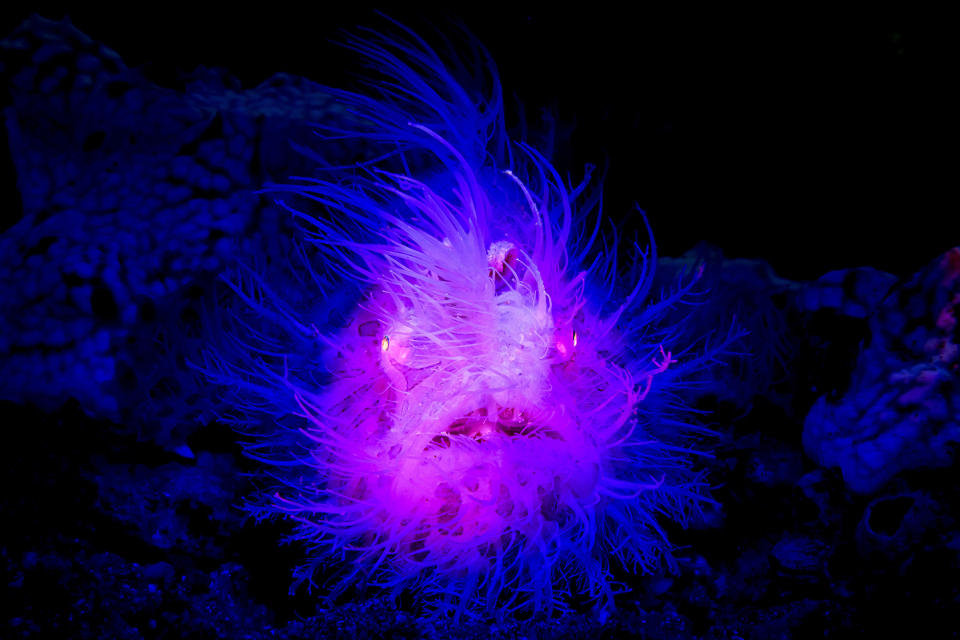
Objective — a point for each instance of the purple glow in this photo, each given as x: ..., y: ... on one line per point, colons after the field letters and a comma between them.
x: 492, y: 427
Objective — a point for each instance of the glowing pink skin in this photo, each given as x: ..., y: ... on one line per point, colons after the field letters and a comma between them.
x: 480, y: 439
x: 473, y: 411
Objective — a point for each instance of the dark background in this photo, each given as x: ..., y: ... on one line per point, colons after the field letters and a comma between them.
x: 817, y: 142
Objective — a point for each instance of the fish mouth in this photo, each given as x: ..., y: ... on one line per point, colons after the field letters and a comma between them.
x: 481, y: 424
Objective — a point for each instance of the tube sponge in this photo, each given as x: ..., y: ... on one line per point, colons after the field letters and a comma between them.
x: 467, y: 397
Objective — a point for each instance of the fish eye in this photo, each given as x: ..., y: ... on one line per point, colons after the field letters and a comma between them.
x: 385, y: 343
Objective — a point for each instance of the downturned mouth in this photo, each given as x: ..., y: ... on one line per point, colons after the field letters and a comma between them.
x: 479, y: 425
